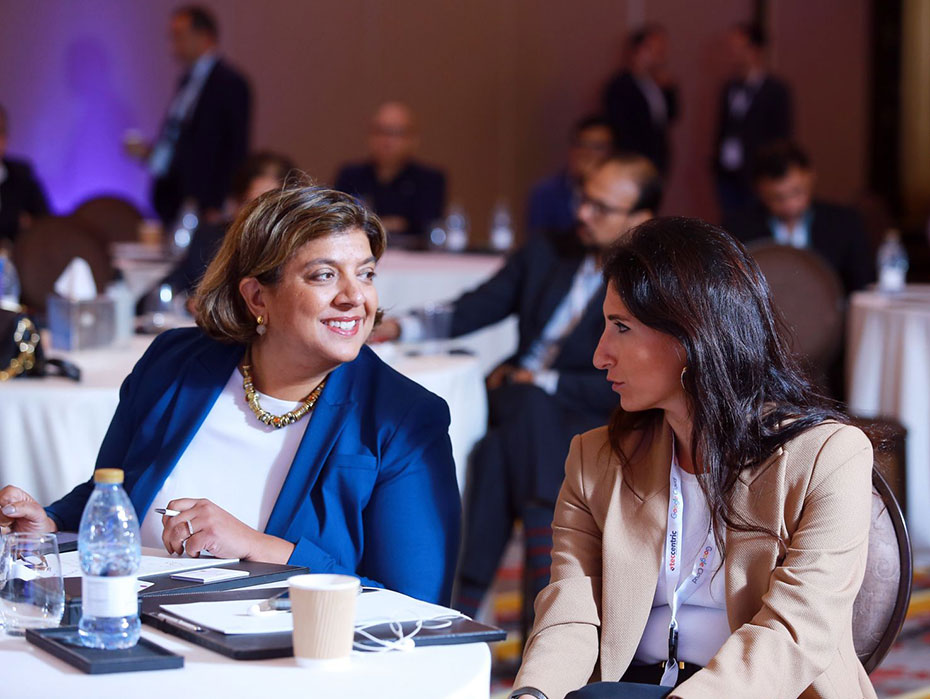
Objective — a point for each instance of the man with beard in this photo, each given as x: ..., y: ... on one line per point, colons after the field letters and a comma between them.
x: 548, y: 391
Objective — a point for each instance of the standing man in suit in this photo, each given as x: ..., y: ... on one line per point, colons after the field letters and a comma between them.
x: 205, y: 136
x: 548, y: 391
x: 408, y: 195
x: 642, y: 101
x: 21, y: 194
x: 788, y: 214
x: 755, y: 109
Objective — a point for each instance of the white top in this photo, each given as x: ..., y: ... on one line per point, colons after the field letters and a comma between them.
x: 233, y: 460
x: 702, y: 619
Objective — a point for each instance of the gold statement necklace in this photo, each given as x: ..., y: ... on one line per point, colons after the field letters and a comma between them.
x: 277, y: 421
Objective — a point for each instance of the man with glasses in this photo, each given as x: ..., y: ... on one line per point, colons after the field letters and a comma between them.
x: 548, y: 391
x: 407, y: 195
x: 554, y: 200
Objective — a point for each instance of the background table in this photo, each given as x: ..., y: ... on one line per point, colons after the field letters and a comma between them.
x: 405, y: 280
x: 409, y: 280
x: 52, y: 428
x: 456, y: 672
x: 888, y: 372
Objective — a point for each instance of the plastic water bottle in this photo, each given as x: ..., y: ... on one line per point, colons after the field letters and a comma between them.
x: 9, y: 283
x: 110, y: 551
x: 501, y: 228
x: 456, y: 229
x: 124, y: 309
x: 892, y: 263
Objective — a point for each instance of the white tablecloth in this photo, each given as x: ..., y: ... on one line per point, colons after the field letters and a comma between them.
x: 405, y: 280
x: 888, y: 374
x: 456, y: 672
x: 409, y: 280
x: 51, y: 429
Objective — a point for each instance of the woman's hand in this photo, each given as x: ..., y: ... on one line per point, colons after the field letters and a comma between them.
x: 20, y: 512
x: 213, y: 530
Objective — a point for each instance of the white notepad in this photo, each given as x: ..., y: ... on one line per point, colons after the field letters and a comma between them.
x: 154, y: 562
x: 232, y: 616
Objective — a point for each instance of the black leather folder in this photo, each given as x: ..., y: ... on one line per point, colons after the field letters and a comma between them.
x: 259, y: 574
x: 279, y: 645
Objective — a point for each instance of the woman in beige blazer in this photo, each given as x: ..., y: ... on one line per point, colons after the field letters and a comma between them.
x: 706, y: 387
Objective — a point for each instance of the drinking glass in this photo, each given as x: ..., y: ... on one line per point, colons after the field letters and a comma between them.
x: 32, y: 592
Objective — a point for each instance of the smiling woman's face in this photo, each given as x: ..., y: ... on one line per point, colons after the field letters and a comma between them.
x: 643, y: 365
x: 323, y: 308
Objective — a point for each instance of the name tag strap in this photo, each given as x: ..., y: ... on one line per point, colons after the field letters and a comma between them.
x: 679, y: 591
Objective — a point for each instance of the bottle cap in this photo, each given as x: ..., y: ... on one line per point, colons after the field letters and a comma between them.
x: 108, y: 475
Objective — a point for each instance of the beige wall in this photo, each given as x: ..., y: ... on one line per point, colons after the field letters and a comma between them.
x: 497, y: 83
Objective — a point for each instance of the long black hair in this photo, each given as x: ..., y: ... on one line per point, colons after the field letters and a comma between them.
x: 747, y: 395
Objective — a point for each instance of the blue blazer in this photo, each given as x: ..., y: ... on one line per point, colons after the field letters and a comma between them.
x: 371, y: 491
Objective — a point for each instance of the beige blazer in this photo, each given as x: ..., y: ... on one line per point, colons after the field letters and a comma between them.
x: 790, y: 611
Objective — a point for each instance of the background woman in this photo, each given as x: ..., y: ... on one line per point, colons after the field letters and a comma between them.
x: 271, y: 428
x: 722, y: 491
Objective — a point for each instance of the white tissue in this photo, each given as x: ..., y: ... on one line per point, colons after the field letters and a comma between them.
x: 76, y: 283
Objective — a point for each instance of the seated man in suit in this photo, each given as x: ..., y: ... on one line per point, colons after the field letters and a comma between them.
x: 407, y: 195
x: 548, y: 391
x: 788, y: 214
x: 261, y: 173
x: 21, y: 195
x: 554, y: 200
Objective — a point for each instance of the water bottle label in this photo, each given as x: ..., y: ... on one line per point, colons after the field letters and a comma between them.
x: 109, y: 596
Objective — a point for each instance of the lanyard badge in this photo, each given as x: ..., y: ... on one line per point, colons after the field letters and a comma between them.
x: 679, y: 592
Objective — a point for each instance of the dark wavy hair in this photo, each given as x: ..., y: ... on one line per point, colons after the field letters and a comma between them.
x: 689, y: 279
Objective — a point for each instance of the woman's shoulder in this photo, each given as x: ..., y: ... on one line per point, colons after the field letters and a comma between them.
x: 177, y: 343
x: 813, y: 455
x: 389, y: 388
x: 838, y: 438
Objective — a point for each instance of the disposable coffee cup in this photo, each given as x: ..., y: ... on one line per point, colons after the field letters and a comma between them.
x: 323, y: 607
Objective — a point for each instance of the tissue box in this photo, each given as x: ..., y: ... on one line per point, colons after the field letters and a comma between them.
x: 77, y: 325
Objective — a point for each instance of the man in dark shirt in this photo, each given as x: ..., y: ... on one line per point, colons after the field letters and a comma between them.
x: 554, y: 200
x: 21, y: 195
x: 205, y: 136
x: 642, y: 101
x: 755, y: 109
x: 260, y: 173
x: 788, y: 214
x: 407, y: 195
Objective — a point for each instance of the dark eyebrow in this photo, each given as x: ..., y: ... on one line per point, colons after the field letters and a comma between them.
x: 335, y: 263
x: 613, y: 317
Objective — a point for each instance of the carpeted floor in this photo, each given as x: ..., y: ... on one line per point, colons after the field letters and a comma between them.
x: 904, y: 674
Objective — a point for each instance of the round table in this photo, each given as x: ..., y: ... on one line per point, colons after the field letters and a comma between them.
x: 888, y: 373
x: 455, y: 671
x: 51, y: 428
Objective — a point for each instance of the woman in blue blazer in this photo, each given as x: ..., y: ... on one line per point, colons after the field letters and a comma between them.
x: 356, y: 477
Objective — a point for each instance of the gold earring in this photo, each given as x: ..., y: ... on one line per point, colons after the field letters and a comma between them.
x: 260, y: 328
x: 682, y: 379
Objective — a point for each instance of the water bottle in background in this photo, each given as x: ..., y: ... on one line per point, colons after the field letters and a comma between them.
x: 187, y: 221
x: 124, y: 307
x: 892, y: 263
x: 456, y: 229
x: 110, y: 551
x: 9, y: 283
x: 501, y: 228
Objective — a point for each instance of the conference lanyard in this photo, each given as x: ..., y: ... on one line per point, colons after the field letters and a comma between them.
x: 677, y: 593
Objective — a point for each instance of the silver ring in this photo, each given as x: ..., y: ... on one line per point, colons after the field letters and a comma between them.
x: 190, y: 527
